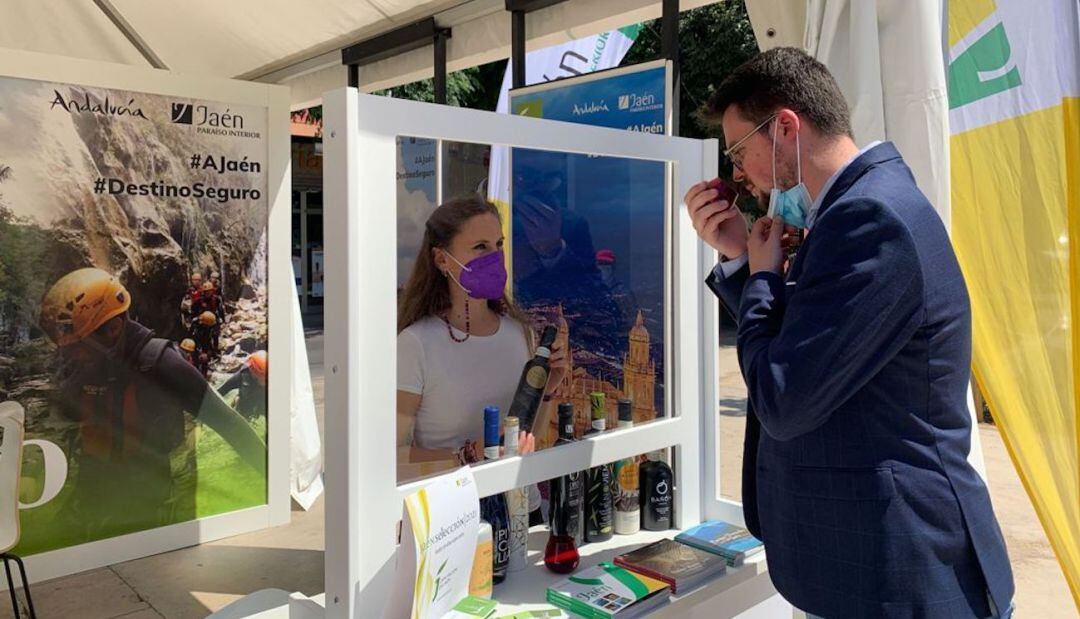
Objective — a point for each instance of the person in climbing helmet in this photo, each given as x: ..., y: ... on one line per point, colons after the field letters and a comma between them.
x: 204, y: 330
x: 129, y: 391
x: 250, y: 386
x: 191, y: 298
x: 187, y: 350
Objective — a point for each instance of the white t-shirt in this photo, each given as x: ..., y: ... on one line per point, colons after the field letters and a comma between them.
x: 456, y: 380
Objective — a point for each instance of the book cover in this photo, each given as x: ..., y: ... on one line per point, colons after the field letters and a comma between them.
x: 472, y: 607
x: 673, y: 563
x: 607, y: 591
x: 550, y: 613
x: 722, y: 538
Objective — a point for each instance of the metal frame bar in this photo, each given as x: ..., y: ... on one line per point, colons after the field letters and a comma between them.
x: 670, y: 51
x: 518, y: 10
x: 8, y: 557
x: 404, y: 39
x: 517, y: 48
x: 441, y: 35
x: 129, y: 32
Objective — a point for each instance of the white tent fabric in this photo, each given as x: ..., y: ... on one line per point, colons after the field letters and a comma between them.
x: 238, y: 38
x: 305, y: 457
x: 888, y: 57
x: 298, y: 43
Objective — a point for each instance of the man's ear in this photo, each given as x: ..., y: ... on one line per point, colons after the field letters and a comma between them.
x: 789, y: 122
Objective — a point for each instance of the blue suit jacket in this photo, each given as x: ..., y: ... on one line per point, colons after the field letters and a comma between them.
x: 857, y: 365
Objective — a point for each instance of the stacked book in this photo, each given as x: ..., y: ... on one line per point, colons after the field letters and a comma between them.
x: 734, y: 544
x: 682, y: 567
x: 608, y: 592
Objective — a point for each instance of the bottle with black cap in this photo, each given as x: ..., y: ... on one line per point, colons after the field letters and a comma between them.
x: 598, y: 507
x: 657, y: 485
x: 533, y: 382
x: 561, y: 553
x: 625, y: 482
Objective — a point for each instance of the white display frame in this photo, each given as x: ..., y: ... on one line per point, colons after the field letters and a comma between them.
x: 363, y: 499
x: 275, y: 99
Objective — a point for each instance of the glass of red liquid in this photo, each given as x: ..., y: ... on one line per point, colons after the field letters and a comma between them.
x: 561, y: 554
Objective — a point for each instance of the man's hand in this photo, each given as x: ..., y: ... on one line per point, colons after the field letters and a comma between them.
x: 766, y: 252
x: 542, y: 225
x: 716, y: 220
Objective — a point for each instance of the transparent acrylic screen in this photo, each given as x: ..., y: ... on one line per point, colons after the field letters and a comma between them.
x: 583, y: 240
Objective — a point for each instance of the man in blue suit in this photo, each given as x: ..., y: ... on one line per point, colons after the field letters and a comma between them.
x: 856, y: 361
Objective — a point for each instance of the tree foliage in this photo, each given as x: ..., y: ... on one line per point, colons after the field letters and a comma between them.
x: 713, y: 40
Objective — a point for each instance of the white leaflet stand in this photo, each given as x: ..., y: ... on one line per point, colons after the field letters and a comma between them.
x: 363, y: 500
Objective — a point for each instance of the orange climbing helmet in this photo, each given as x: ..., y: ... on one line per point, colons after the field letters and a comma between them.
x: 258, y: 364
x: 79, y: 303
x: 207, y: 319
x: 187, y: 345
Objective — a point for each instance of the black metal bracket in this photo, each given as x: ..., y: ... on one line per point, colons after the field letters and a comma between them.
x: 441, y: 35
x: 528, y: 6
x: 669, y: 50
x: 404, y: 39
x: 518, y: 10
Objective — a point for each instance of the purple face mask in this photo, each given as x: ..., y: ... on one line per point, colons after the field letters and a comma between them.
x: 483, y: 277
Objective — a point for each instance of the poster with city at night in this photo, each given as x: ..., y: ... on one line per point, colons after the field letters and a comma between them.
x: 592, y: 254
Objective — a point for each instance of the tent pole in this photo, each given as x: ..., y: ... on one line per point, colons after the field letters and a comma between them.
x: 670, y: 51
x: 130, y: 33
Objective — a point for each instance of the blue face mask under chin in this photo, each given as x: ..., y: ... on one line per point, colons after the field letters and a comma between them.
x: 792, y: 205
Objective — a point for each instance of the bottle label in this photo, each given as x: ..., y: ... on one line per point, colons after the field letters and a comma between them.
x: 568, y: 430
x: 480, y: 583
x: 536, y: 377
x: 502, y: 546
x: 599, y: 500
x: 627, y: 522
x: 491, y: 453
x: 660, y: 501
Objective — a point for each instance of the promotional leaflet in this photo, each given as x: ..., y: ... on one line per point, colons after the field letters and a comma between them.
x: 438, y: 542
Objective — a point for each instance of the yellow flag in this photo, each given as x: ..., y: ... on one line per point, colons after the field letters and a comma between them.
x: 1014, y: 98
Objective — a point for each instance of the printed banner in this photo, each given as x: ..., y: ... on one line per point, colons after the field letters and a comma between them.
x: 133, y: 305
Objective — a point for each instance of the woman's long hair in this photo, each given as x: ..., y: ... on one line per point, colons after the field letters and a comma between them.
x: 428, y: 291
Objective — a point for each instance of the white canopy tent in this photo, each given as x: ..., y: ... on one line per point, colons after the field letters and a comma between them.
x: 297, y: 43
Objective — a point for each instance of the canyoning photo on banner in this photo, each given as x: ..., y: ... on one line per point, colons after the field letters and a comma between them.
x: 133, y: 307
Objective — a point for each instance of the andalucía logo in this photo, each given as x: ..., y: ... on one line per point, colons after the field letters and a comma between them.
x: 590, y: 108
x: 107, y: 107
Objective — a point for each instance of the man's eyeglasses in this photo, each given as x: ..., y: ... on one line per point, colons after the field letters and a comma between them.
x: 734, y: 153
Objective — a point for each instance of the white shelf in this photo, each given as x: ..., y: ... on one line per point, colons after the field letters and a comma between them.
x: 739, y: 590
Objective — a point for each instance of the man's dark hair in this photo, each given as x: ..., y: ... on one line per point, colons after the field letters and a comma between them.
x: 782, y: 77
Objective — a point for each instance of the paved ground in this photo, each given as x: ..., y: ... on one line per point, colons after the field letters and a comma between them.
x: 195, y: 581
